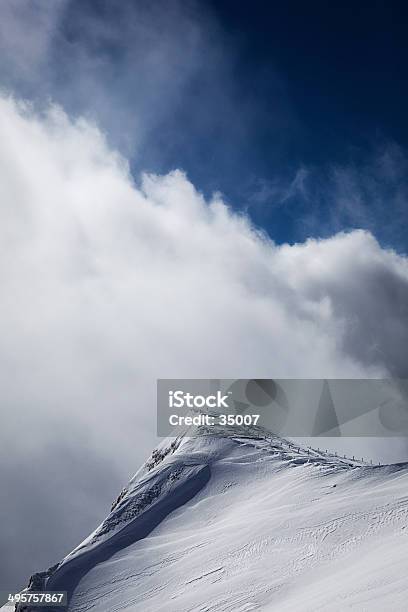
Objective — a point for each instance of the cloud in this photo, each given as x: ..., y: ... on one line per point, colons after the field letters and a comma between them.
x: 166, y: 83
x: 278, y: 191
x: 27, y: 31
x: 373, y: 194
x: 109, y: 284
x: 143, y: 71
x: 370, y: 192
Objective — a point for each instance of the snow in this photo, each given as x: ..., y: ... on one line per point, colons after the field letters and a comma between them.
x: 239, y: 524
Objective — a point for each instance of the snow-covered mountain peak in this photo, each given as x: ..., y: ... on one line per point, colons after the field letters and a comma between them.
x: 245, y: 521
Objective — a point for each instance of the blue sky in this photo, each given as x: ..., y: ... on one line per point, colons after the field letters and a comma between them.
x: 294, y: 111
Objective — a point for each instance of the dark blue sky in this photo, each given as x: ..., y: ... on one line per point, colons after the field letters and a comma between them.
x: 295, y: 111
x: 343, y: 69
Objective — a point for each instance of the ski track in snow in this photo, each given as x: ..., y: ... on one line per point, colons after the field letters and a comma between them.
x: 240, y: 524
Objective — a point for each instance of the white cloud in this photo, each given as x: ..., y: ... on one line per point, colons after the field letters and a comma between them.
x: 108, y: 285
x: 26, y: 33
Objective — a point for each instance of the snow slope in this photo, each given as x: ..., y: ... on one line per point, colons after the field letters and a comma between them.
x: 236, y: 524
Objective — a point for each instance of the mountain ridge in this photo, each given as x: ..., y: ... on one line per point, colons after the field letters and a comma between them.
x: 218, y: 470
